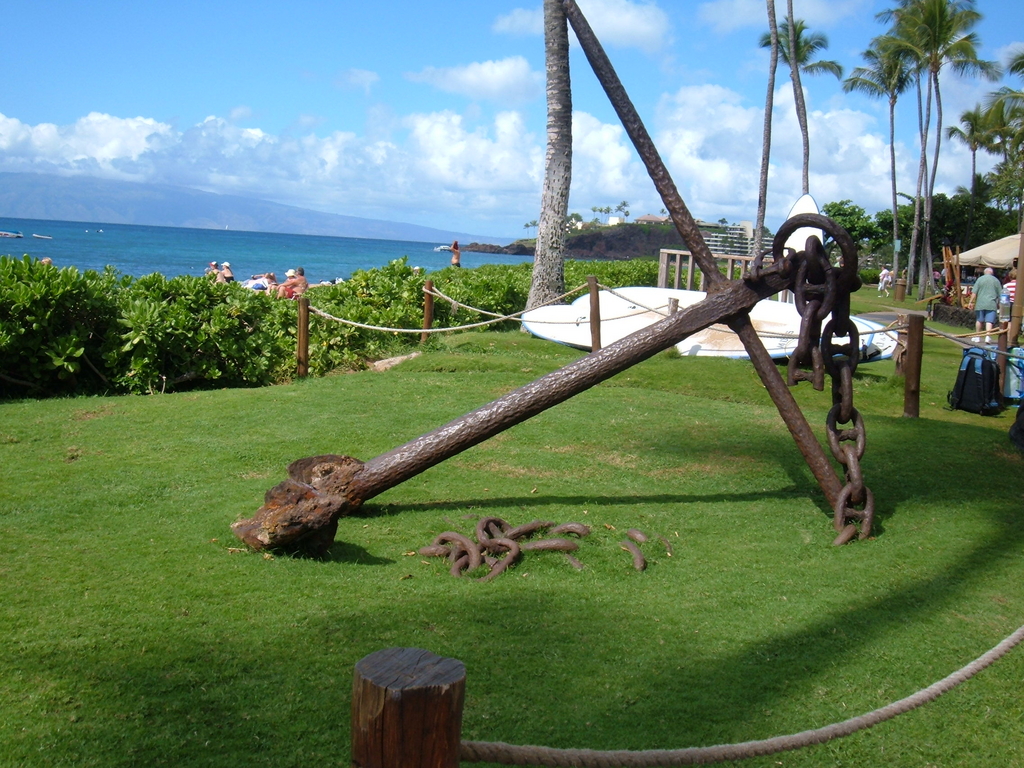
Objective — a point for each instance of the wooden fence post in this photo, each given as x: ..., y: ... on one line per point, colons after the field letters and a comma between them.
x: 595, y: 315
x: 407, y: 710
x: 302, y: 351
x: 428, y: 309
x: 1001, y: 345
x: 912, y: 368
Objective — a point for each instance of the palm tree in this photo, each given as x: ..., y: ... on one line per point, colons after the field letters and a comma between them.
x: 801, y: 48
x: 1006, y: 115
x: 766, y: 134
x: 972, y: 132
x: 934, y: 34
x: 548, y: 280
x: 885, y: 75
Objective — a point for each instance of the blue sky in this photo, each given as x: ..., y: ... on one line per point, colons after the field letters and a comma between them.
x: 434, y: 114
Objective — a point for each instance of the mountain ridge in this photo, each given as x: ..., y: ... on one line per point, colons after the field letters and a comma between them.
x: 91, y: 199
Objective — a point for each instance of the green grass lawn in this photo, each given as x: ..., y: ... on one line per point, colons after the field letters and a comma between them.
x: 137, y: 631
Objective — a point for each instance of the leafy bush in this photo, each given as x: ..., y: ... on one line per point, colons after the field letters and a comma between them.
x: 190, y: 330
x: 53, y: 325
x: 62, y: 332
x: 869, y: 276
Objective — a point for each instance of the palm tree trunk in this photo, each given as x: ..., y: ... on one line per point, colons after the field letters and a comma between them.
x: 922, y: 170
x: 766, y: 135
x: 892, y: 177
x: 927, y: 276
x: 798, y: 96
x: 548, y: 281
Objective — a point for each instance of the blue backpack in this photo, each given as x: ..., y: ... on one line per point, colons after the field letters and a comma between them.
x: 1013, y: 385
x: 977, y: 384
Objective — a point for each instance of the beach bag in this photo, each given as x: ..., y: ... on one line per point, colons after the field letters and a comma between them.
x: 977, y: 384
x: 1017, y: 431
x: 1013, y: 386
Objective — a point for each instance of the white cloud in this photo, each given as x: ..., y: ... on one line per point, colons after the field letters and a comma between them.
x: 617, y: 23
x: 360, y: 79
x: 97, y: 143
x: 239, y: 113
x: 729, y: 15
x: 711, y: 144
x: 508, y: 81
x: 521, y: 21
x: 604, y: 162
x: 627, y: 24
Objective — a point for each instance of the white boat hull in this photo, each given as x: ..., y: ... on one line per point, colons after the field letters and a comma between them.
x: 776, y: 322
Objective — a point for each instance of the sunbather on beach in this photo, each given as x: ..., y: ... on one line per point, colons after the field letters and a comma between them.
x: 225, y: 275
x: 294, y: 285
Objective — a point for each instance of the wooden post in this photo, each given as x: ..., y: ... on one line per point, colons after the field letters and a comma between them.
x: 900, y: 355
x: 407, y: 710
x: 673, y: 306
x: 689, y: 273
x: 595, y: 314
x: 428, y: 309
x: 1001, y: 345
x: 302, y: 352
x: 678, y: 280
x: 912, y: 366
x: 663, y: 257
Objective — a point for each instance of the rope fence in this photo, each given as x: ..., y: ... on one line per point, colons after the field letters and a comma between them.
x: 438, y: 684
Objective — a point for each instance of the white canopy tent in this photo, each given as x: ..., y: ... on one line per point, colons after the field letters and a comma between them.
x: 998, y: 254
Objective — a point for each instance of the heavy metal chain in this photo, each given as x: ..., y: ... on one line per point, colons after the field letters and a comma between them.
x: 821, y: 289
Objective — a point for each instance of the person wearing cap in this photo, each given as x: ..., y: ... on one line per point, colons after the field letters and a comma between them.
x: 211, y: 268
x: 294, y: 285
x: 225, y: 275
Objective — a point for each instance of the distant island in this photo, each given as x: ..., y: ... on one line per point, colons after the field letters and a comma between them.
x: 85, y: 198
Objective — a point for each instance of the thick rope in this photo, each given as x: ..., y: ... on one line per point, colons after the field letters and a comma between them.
x: 956, y: 339
x: 355, y: 324
x: 508, y: 754
x: 456, y: 303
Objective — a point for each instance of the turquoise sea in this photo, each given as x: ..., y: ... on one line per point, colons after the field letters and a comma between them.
x: 140, y: 250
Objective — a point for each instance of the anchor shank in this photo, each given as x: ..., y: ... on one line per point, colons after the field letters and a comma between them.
x: 398, y: 465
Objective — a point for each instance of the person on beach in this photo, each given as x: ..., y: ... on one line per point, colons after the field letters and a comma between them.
x: 294, y: 285
x: 225, y: 275
x: 456, y: 254
x: 211, y: 268
x: 984, y: 302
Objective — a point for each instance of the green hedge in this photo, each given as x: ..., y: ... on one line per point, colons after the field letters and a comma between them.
x: 65, y: 332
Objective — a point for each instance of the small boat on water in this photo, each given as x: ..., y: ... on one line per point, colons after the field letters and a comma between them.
x: 4, y: 233
x: 443, y: 248
x: 43, y: 237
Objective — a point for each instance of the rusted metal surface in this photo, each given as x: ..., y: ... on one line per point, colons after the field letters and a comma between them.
x: 301, y: 513
x: 713, y: 279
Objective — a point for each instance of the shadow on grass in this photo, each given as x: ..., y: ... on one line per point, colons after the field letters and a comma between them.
x: 545, y: 500
x: 191, y: 700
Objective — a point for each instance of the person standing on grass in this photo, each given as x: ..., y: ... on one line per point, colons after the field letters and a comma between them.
x: 456, y: 254
x: 984, y: 302
x: 884, y: 278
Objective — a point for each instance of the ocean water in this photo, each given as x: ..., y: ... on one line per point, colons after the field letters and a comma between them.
x: 141, y: 250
